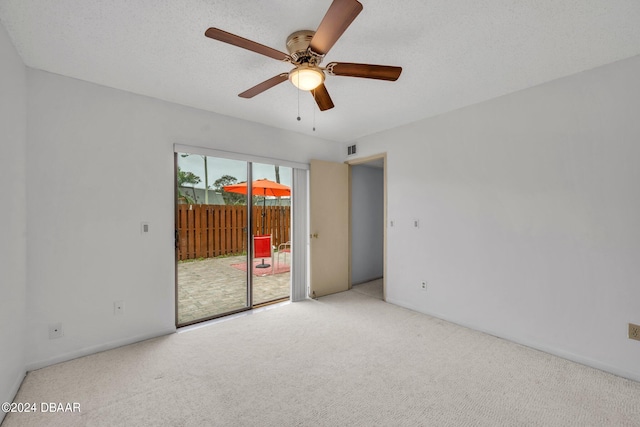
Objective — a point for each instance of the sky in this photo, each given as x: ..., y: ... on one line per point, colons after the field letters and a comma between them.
x: 218, y: 167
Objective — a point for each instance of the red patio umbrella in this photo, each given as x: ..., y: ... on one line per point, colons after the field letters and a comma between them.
x: 260, y: 187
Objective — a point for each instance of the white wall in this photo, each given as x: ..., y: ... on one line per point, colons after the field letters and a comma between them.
x: 100, y: 161
x: 13, y: 225
x: 529, y: 207
x: 367, y: 222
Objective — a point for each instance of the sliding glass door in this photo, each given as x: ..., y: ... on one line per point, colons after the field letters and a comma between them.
x: 230, y: 258
x: 272, y: 225
x: 212, y: 242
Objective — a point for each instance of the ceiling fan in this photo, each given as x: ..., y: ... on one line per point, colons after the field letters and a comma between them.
x: 307, y: 49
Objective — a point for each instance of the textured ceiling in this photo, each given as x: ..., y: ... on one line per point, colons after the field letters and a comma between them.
x: 453, y: 53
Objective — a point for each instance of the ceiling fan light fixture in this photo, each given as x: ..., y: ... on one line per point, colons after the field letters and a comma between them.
x: 306, y: 77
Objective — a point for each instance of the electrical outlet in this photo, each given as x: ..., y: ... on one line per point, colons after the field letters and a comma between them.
x: 55, y: 331
x: 634, y: 332
x: 423, y: 285
x: 118, y: 308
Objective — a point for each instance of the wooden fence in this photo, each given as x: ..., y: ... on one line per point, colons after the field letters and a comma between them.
x: 206, y: 231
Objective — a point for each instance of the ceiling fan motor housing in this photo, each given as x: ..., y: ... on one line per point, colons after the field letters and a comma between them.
x: 298, y: 47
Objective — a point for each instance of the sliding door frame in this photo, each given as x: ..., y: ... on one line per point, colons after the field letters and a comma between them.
x: 299, y: 213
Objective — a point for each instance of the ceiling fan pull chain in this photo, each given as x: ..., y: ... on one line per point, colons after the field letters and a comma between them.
x: 298, y: 98
x: 314, y: 112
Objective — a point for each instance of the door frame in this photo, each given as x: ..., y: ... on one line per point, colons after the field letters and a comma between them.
x: 361, y: 161
x: 299, y: 218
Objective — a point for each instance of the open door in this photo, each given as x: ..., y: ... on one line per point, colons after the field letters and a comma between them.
x: 329, y: 227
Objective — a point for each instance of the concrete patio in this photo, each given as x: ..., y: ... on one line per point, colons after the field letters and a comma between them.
x: 211, y: 286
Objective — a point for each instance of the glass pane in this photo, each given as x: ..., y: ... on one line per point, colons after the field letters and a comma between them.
x: 212, y: 225
x: 272, y: 232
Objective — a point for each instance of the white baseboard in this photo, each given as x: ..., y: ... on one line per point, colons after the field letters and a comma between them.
x: 635, y: 376
x: 96, y: 349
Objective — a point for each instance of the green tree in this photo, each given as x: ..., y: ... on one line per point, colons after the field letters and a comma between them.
x: 206, y: 178
x: 187, y: 178
x: 229, y: 198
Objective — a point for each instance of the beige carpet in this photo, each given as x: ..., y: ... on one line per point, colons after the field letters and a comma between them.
x: 372, y: 289
x: 342, y: 360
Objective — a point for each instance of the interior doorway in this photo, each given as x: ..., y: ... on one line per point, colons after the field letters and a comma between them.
x: 368, y: 230
x: 233, y: 236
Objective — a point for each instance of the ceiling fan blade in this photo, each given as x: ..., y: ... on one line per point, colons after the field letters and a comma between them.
x: 261, y: 87
x: 340, y: 15
x: 322, y: 98
x: 223, y: 36
x: 367, y: 71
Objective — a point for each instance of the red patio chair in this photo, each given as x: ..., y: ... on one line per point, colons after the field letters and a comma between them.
x: 262, y: 249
